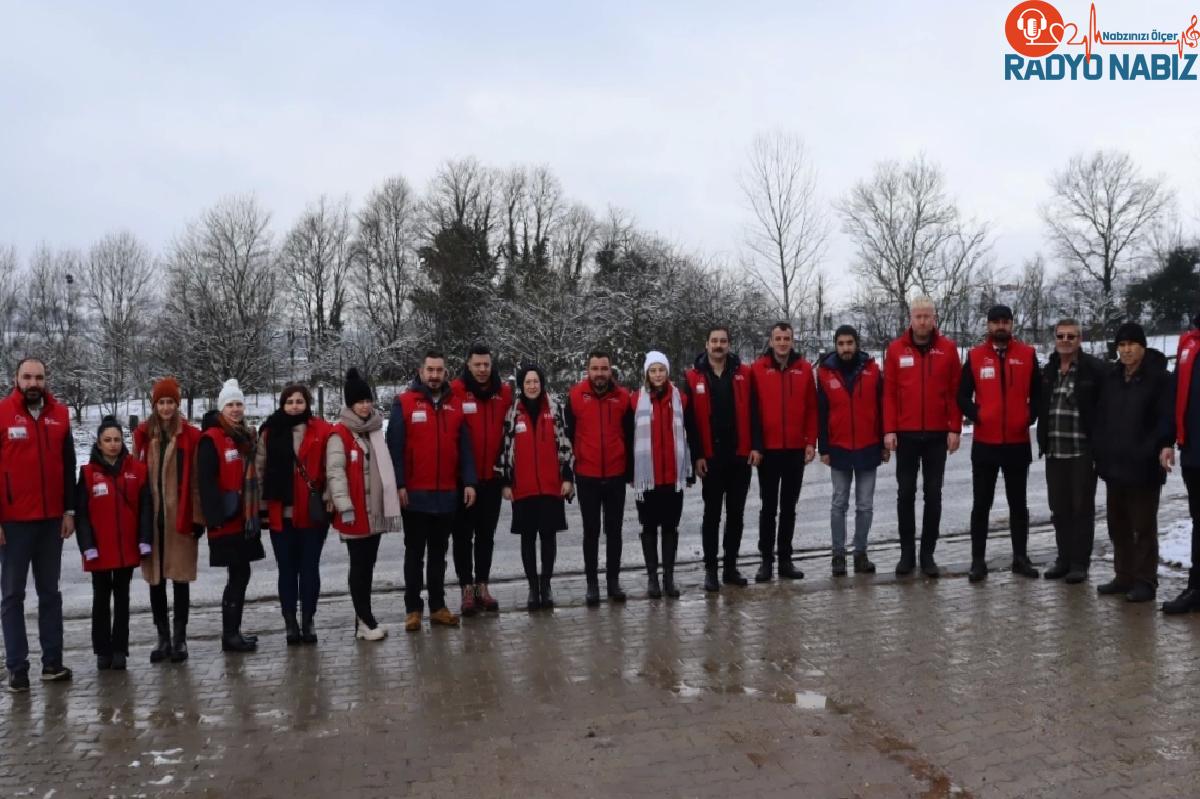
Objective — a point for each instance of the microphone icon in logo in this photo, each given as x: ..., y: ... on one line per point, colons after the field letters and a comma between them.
x: 1031, y: 22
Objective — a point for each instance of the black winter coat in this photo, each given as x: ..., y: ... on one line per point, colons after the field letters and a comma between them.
x: 1089, y: 374
x: 1134, y: 423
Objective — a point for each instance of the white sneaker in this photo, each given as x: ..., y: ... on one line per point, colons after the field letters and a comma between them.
x: 364, y: 633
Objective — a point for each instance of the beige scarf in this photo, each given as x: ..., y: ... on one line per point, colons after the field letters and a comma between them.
x: 384, y: 514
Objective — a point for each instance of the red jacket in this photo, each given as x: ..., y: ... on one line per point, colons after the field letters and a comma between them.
x: 536, y: 470
x: 484, y: 417
x: 662, y: 434
x: 920, y: 388
x: 230, y: 477
x: 312, y: 455
x: 185, y: 453
x: 1185, y: 361
x: 37, y: 459
x: 697, y: 377
x: 1004, y: 404
x: 787, y: 402
x: 113, y: 513
x: 356, y: 482
x: 852, y: 419
x: 431, y: 440
x: 597, y: 426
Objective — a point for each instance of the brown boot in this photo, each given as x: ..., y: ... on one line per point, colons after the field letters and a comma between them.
x: 442, y: 617
x: 412, y: 622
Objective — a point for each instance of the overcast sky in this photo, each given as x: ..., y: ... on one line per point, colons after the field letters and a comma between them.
x: 140, y: 115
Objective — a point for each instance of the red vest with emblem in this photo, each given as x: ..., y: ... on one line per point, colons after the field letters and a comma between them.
x: 356, y: 481
x: 112, y: 512
x: 854, y: 417
x: 430, y: 441
x: 787, y: 402
x: 535, y: 466
x: 312, y: 455
x: 185, y: 451
x: 920, y: 390
x: 1002, y: 392
x: 702, y: 409
x: 231, y: 474
x: 484, y: 419
x: 1185, y: 361
x: 662, y: 434
x: 31, y: 459
x: 599, y: 443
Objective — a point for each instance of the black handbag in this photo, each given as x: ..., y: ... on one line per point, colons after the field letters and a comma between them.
x: 317, y: 515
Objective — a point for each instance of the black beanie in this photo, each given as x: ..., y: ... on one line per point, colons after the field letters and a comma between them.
x: 845, y: 330
x: 107, y: 422
x: 1130, y: 331
x: 356, y: 389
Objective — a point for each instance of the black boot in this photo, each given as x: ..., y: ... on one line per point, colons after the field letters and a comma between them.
x: 650, y: 555
x: 163, y: 650
x: 763, y: 575
x: 839, y: 566
x: 670, y: 542
x: 162, y: 623
x: 547, y: 595
x: 711, y: 583
x: 179, y: 650
x: 615, y: 593
x: 592, y: 597
x: 1186, y: 602
x: 788, y: 570
x: 308, y: 631
x: 863, y: 564
x: 929, y: 567
x: 534, y: 601
x: 291, y: 629
x: 231, y: 636
x: 978, y: 572
x: 731, y: 575
x: 908, y: 560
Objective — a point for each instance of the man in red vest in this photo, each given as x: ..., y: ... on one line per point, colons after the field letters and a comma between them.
x: 37, y: 512
x: 786, y: 389
x: 432, y: 458
x: 599, y: 423
x: 1000, y: 392
x: 1187, y: 437
x: 725, y: 439
x: 921, y: 424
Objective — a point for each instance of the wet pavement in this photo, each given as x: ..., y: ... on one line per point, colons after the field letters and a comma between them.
x: 857, y: 687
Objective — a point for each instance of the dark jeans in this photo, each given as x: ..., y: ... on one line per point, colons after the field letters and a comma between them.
x: 529, y: 541
x: 298, y: 555
x: 983, y: 485
x: 110, y: 611
x: 780, y: 476
x: 1071, y: 492
x: 598, y: 495
x: 36, y: 544
x: 426, y: 535
x: 1133, y: 529
x: 363, y: 551
x: 728, y: 480
x: 475, y: 534
x: 1191, y: 479
x: 925, y: 453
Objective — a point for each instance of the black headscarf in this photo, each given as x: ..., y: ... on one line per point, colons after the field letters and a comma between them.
x: 533, y: 407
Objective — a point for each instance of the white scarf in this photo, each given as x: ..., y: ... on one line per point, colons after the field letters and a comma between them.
x: 643, y: 454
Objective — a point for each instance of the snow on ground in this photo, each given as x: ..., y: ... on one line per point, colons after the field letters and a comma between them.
x: 1175, y: 545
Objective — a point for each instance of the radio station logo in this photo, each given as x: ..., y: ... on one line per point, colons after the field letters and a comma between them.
x: 1045, y: 46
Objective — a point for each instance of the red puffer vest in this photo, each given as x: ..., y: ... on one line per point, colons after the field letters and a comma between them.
x: 535, y: 467
x: 31, y: 459
x: 1002, y: 392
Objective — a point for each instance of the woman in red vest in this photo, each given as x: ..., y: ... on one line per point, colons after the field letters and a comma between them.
x: 535, y: 465
x: 662, y: 466
x: 166, y: 443
x: 227, y: 484
x: 362, y: 485
x: 113, y: 519
x: 291, y: 460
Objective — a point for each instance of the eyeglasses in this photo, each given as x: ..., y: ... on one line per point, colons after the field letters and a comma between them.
x: 1065, y: 336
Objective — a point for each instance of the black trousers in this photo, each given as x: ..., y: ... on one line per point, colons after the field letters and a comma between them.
x: 728, y: 481
x: 1133, y: 529
x: 924, y: 453
x: 529, y: 547
x: 363, y: 552
x: 983, y: 486
x: 426, y: 539
x: 601, y: 496
x: 1071, y: 492
x: 160, y: 610
x: 110, y: 611
x: 1191, y: 479
x: 475, y: 534
x: 780, y: 476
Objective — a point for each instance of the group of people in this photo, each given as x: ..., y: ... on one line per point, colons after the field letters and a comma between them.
x: 452, y: 451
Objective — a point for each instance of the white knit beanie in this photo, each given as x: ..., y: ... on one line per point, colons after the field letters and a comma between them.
x: 230, y: 392
x: 653, y: 357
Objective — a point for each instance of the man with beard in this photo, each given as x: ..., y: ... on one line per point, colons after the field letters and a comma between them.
x: 725, y: 439
x: 1000, y: 392
x: 37, y: 513
x: 599, y: 423
x: 484, y: 400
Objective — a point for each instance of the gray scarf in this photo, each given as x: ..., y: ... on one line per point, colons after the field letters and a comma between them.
x: 643, y: 454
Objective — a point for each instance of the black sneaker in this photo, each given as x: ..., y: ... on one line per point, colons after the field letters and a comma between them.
x: 1187, y: 602
x: 56, y: 673
x: 929, y: 568
x: 1056, y: 572
x: 18, y: 682
x: 734, y: 577
x: 1024, y: 567
x: 1076, y: 576
x: 763, y: 575
x: 788, y: 571
x: 1111, y: 588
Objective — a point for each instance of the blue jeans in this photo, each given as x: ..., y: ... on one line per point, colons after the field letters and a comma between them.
x: 864, y: 508
x: 38, y: 544
x: 298, y: 556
